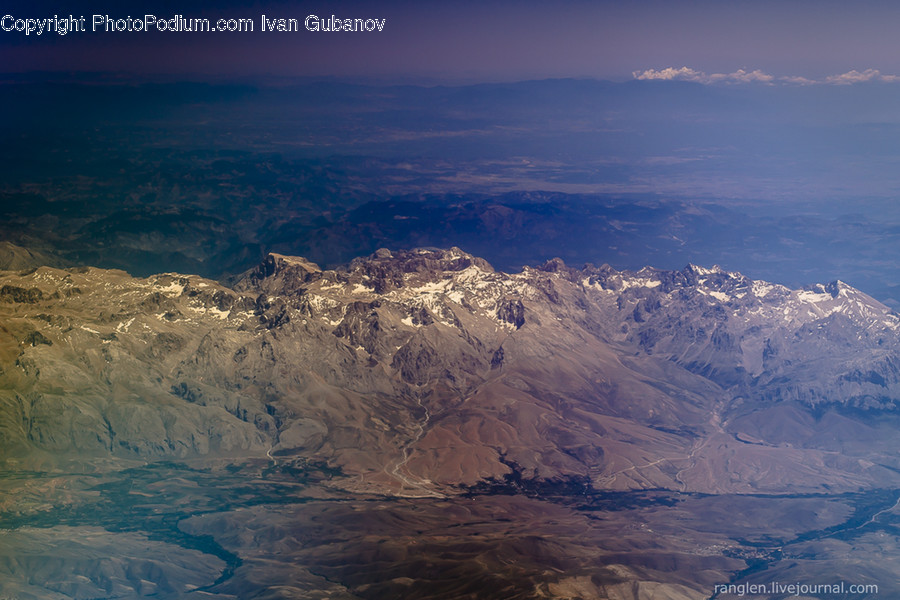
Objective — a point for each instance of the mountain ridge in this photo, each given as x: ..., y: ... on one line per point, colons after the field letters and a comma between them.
x: 417, y: 372
x: 417, y: 423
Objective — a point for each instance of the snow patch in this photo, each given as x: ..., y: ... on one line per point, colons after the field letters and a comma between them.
x: 814, y: 297
x: 640, y: 282
x: 761, y: 289
x: 173, y: 290
x: 468, y: 274
x: 219, y: 314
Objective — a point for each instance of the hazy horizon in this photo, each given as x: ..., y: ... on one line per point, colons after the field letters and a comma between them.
x: 474, y: 41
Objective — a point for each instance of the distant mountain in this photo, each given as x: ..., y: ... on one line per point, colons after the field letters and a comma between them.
x: 17, y: 258
x: 785, y: 183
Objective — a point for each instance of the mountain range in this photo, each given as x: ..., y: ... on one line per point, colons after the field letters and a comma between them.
x: 418, y: 424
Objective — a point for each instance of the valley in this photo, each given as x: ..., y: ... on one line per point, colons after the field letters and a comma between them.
x: 256, y: 525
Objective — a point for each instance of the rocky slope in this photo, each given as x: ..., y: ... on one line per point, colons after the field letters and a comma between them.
x: 420, y: 373
x: 417, y: 424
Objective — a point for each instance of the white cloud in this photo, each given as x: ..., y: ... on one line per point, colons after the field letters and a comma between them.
x: 797, y: 80
x: 758, y: 76
x: 671, y: 73
x: 688, y: 74
x: 854, y: 76
x: 742, y: 76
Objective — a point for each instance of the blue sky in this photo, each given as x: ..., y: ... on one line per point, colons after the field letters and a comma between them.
x: 483, y: 41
